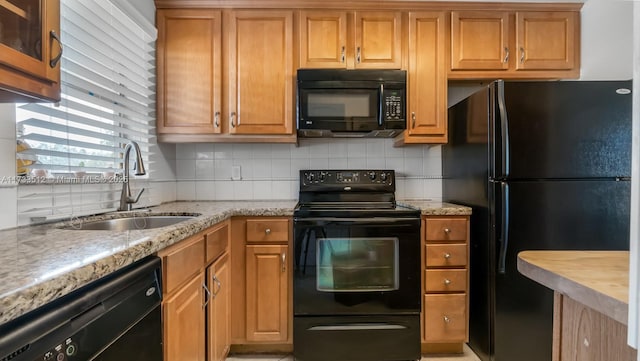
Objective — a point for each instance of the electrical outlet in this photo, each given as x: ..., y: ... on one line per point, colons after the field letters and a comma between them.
x: 236, y: 172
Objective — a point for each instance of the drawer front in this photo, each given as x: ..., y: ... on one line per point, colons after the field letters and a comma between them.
x: 447, y: 280
x: 446, y: 229
x: 182, y: 263
x: 446, y: 255
x: 217, y: 242
x: 445, y: 318
x: 268, y: 230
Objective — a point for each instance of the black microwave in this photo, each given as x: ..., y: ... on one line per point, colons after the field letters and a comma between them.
x: 351, y: 103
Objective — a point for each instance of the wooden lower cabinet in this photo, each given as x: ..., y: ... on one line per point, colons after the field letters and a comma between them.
x: 183, y: 321
x: 218, y: 310
x: 445, y: 315
x: 267, y: 293
x: 582, y: 333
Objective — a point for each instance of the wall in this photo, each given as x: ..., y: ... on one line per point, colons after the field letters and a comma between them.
x: 271, y: 171
x: 606, y: 47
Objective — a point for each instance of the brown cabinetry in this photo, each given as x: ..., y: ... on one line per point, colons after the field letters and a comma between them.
x: 196, y: 297
x: 353, y: 40
x: 446, y: 283
x: 189, y: 65
x: 252, y: 101
x: 261, y: 278
x: 427, y: 79
x: 30, y: 50
x: 184, y: 297
x: 515, y: 44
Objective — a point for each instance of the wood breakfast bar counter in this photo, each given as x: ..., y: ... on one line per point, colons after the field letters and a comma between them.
x: 591, y: 291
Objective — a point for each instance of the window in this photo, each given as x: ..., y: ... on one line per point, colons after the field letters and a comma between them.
x: 108, y: 99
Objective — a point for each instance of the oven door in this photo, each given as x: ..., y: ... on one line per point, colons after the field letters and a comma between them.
x: 356, y: 266
x: 339, y: 109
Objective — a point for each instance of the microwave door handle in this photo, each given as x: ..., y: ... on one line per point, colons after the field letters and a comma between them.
x: 380, y: 105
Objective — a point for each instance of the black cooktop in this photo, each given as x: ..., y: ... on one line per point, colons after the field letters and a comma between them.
x: 349, y: 193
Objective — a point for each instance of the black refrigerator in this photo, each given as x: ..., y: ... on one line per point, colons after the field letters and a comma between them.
x: 544, y: 166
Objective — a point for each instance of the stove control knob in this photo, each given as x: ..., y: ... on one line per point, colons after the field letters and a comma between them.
x: 311, y: 177
x: 383, y: 176
x: 372, y: 175
x: 322, y: 176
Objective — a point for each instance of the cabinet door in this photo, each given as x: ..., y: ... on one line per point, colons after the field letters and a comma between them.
x: 267, y: 293
x: 427, y: 77
x: 30, y: 50
x: 189, y: 70
x: 546, y: 40
x: 480, y: 40
x: 260, y: 72
x: 26, y: 36
x: 323, y: 39
x: 378, y: 40
x: 184, y: 323
x: 219, y: 280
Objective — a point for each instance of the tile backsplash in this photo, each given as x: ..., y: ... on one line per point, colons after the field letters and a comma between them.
x: 205, y: 171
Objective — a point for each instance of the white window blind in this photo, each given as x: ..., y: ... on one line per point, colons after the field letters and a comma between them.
x: 108, y: 99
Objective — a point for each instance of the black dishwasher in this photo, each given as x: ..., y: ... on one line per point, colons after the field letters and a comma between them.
x: 117, y: 317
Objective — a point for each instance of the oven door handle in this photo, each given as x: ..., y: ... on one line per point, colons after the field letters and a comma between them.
x: 358, y: 220
x: 358, y: 326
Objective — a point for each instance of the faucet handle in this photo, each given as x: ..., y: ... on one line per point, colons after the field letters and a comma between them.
x: 137, y: 197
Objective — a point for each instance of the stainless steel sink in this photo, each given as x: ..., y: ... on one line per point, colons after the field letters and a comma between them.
x: 127, y: 223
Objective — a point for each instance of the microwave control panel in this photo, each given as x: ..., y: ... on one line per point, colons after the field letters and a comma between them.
x: 393, y: 105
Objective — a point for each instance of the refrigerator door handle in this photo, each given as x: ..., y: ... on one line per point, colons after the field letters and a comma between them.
x: 504, y: 130
x: 504, y: 238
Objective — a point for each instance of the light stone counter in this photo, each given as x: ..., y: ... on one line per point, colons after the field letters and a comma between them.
x: 39, y: 264
x: 431, y: 208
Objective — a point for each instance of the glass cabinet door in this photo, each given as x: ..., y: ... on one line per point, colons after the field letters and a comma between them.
x: 25, y: 36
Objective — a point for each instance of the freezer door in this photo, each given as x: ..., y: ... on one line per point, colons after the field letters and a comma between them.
x: 561, y: 215
x: 568, y: 129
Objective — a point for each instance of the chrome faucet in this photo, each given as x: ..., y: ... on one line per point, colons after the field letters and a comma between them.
x: 126, y: 201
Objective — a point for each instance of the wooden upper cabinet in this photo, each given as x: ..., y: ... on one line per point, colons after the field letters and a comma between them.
x: 260, y: 69
x: 479, y: 40
x: 378, y: 40
x: 515, y: 44
x: 546, y: 40
x: 189, y: 71
x: 427, y: 79
x: 323, y: 39
x: 342, y: 39
x: 30, y: 50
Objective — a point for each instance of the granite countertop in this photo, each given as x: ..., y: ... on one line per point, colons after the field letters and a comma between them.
x: 39, y: 264
x: 597, y: 279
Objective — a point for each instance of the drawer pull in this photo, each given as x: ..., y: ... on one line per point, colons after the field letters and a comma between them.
x: 207, y: 296
x: 284, y: 262
x: 446, y: 319
x: 447, y: 255
x: 447, y: 230
x: 447, y: 281
x: 267, y: 231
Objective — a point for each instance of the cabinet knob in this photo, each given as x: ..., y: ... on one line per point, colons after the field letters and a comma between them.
x: 446, y: 319
x: 447, y: 255
x: 267, y: 231
x: 342, y: 55
x: 218, y: 284
x: 506, y: 55
x: 54, y: 60
x: 358, y: 55
x: 447, y: 281
x: 447, y: 230
x: 232, y: 118
x: 521, y: 55
x: 413, y: 120
x: 284, y: 262
x: 207, y: 296
x: 216, y: 117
